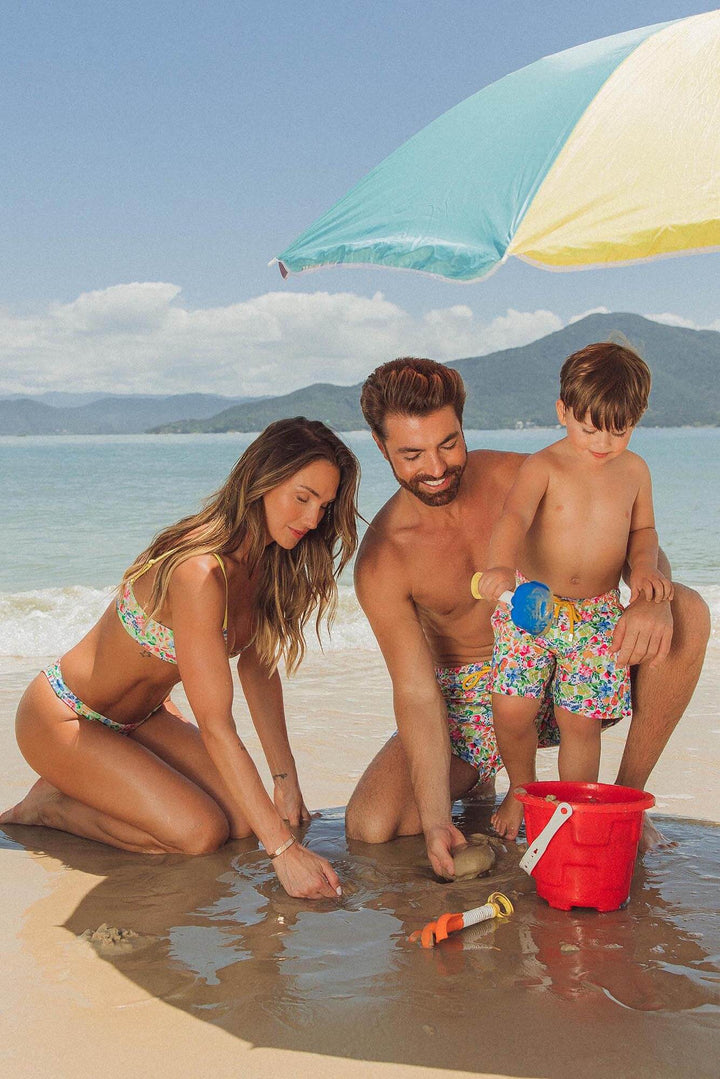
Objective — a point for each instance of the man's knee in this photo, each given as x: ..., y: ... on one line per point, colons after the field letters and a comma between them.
x: 366, y: 822
x: 691, y: 616
x: 362, y: 823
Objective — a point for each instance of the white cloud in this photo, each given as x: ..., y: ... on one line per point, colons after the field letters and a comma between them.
x: 519, y: 328
x: 136, y: 309
x: 135, y: 338
x: 677, y: 320
x: 591, y: 311
x: 674, y: 320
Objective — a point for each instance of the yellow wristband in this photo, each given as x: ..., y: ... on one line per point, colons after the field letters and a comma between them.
x: 282, y: 848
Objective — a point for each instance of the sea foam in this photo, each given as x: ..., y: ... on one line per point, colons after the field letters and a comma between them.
x: 49, y: 621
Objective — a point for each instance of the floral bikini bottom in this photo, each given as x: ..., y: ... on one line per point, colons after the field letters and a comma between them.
x: 66, y: 695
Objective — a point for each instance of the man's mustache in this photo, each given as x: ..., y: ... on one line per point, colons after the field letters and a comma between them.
x: 422, y: 477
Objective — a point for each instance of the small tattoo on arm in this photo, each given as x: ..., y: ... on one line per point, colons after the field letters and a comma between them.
x: 280, y: 775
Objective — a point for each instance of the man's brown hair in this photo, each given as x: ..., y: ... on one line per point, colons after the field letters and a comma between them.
x: 609, y: 381
x: 410, y: 387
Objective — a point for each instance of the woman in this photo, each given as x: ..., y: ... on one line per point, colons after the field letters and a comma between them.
x: 118, y: 763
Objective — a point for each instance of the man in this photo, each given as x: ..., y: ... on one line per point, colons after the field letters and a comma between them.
x: 412, y: 578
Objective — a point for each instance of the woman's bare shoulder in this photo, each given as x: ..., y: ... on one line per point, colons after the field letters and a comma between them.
x: 196, y: 571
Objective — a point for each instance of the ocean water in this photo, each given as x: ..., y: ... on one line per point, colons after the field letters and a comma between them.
x: 76, y: 510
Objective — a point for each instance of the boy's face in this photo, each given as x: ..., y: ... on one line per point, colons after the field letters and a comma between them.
x: 590, y: 441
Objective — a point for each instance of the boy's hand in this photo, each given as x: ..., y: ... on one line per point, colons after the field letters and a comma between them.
x: 495, y: 581
x: 650, y: 584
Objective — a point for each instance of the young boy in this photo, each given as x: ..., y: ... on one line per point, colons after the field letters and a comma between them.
x: 578, y: 511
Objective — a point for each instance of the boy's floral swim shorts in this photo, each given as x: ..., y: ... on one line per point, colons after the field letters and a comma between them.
x: 572, y: 657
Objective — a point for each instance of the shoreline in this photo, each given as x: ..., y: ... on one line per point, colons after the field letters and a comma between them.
x: 353, y: 432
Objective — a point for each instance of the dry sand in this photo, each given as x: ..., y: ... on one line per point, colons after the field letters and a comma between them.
x: 120, y: 965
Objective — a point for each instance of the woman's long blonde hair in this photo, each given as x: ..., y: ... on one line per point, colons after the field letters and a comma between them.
x: 291, y: 584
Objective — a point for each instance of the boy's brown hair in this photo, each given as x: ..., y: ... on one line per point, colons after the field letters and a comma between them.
x: 610, y: 382
x: 410, y: 387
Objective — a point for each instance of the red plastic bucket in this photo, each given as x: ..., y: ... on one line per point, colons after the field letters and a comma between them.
x: 589, y: 859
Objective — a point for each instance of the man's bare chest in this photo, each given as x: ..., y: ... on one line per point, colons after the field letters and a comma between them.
x: 442, y: 568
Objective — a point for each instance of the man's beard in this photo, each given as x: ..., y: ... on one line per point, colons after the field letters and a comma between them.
x: 439, y: 498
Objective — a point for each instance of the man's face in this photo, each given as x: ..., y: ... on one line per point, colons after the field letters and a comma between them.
x: 426, y: 453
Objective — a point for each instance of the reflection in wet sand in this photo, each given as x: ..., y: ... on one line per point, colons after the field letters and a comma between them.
x: 216, y: 937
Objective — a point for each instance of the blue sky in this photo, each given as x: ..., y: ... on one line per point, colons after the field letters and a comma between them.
x: 157, y: 155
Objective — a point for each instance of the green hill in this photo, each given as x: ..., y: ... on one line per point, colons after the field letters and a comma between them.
x: 518, y: 386
x: 103, y: 414
x: 338, y: 406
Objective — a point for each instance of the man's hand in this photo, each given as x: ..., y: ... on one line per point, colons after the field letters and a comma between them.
x: 643, y: 634
x: 440, y: 840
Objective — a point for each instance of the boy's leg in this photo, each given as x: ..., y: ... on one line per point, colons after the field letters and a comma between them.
x: 514, y: 719
x: 579, y: 756
x: 522, y: 666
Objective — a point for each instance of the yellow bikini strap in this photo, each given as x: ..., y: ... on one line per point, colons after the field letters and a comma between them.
x: 227, y: 587
x: 149, y: 563
x: 167, y: 554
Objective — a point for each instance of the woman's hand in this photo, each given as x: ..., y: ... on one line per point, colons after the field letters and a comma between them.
x: 305, y: 875
x: 288, y: 799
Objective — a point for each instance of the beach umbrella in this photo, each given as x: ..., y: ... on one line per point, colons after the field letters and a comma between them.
x: 604, y: 153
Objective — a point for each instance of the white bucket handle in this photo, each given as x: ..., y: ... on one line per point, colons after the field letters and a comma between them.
x: 531, y: 857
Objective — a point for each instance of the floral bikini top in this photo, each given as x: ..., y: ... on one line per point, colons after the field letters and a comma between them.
x: 156, y: 639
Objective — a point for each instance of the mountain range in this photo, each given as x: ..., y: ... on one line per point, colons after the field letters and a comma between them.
x: 515, y: 387
x: 129, y: 414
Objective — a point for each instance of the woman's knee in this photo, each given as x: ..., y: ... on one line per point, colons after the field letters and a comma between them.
x: 203, y: 833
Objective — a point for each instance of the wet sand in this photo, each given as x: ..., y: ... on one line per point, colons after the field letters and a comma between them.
x: 122, y: 965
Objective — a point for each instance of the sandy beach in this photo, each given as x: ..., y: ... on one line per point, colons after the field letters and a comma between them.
x: 121, y: 965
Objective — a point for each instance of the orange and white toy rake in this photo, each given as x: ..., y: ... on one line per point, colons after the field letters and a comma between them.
x: 497, y: 906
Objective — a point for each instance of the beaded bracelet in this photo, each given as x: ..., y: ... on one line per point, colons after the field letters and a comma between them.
x: 281, y: 849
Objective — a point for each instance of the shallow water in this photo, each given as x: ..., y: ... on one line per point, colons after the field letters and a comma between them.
x: 218, y: 939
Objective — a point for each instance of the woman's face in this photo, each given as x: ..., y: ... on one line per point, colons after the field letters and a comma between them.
x: 298, y: 505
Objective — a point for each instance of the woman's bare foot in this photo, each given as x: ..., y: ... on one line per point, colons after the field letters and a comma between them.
x: 31, y: 809
x: 507, y: 818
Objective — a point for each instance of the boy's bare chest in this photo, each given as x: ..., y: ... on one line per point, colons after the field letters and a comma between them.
x: 595, y: 500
